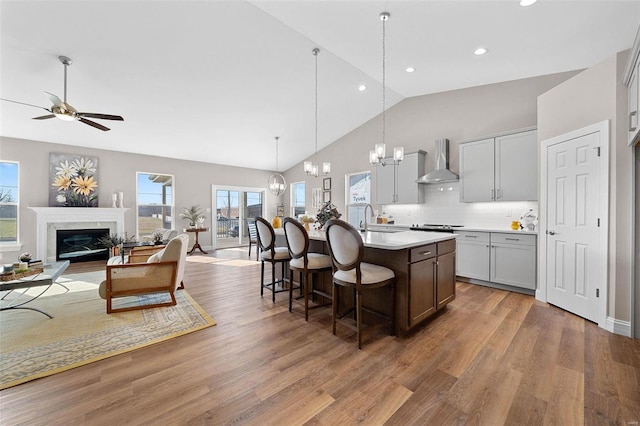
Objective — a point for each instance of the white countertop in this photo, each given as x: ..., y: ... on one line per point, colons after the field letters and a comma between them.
x: 486, y: 229
x: 389, y: 240
x: 464, y: 228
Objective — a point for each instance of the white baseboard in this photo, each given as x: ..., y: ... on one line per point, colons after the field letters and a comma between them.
x: 620, y: 327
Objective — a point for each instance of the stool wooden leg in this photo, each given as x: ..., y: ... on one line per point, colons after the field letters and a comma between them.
x: 290, y: 290
x: 359, y: 316
x: 273, y: 282
x: 334, y: 304
x: 262, y: 279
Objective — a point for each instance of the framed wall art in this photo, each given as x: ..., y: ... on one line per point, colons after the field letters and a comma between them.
x: 326, y: 184
x: 73, y: 180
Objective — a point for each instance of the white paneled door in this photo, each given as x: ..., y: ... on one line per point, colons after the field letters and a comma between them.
x: 573, y: 237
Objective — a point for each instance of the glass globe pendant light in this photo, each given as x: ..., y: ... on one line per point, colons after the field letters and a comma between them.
x: 277, y: 183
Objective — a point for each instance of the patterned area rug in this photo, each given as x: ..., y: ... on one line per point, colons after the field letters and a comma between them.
x: 81, y: 332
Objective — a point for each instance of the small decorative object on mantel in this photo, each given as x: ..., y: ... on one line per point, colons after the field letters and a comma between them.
x: 74, y: 180
x: 326, y: 212
x: 192, y: 214
x: 121, y: 200
x: 114, y: 199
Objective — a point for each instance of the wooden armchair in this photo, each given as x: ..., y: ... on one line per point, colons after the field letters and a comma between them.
x: 162, y: 273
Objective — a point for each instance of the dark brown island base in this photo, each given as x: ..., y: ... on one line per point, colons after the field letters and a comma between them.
x: 425, y: 268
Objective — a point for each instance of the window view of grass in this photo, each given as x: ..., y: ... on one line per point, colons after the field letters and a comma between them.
x: 155, y: 203
x: 9, y: 201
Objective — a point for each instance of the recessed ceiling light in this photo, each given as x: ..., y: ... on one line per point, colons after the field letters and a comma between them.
x: 362, y: 88
x: 527, y: 2
x: 410, y: 69
x: 480, y: 51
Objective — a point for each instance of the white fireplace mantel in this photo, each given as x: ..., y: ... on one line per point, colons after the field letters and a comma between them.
x: 70, y: 216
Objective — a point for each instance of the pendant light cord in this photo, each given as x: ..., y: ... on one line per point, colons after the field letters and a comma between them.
x: 315, y: 53
x: 384, y: 17
x: 277, y: 137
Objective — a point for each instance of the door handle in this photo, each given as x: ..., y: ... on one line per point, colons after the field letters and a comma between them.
x: 550, y: 232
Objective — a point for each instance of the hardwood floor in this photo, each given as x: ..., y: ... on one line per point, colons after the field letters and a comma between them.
x: 492, y: 357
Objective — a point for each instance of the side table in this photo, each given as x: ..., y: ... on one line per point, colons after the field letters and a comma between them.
x: 196, y: 245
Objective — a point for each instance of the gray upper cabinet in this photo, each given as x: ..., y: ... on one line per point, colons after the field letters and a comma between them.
x: 409, y: 169
x: 503, y: 168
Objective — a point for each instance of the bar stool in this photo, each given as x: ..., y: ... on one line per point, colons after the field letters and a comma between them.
x: 272, y: 254
x: 347, y: 250
x: 304, y: 262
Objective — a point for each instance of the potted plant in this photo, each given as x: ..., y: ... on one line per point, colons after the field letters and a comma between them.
x: 111, y: 242
x: 192, y: 214
x: 326, y: 212
x: 157, y: 238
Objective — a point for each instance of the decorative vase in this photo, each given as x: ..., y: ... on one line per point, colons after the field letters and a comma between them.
x: 306, y: 226
x: 515, y: 225
x: 121, y: 200
x: 276, y: 222
x: 114, y: 198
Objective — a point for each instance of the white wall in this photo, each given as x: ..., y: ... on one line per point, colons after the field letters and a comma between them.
x: 595, y: 95
x: 117, y: 172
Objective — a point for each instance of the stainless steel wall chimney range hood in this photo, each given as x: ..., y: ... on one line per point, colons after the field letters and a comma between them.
x: 442, y: 172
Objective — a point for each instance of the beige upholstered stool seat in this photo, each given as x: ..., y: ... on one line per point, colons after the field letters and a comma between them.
x: 279, y: 253
x: 371, y: 274
x: 316, y: 261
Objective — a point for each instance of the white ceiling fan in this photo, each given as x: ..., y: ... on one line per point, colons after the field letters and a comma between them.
x: 64, y: 111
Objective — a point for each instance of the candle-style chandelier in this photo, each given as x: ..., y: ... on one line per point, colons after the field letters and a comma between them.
x: 378, y: 154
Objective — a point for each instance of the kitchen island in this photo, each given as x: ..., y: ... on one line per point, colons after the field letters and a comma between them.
x: 424, y: 264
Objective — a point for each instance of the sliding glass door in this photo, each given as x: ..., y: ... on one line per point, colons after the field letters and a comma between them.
x: 234, y: 207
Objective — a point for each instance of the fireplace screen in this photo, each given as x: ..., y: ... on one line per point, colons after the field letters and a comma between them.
x: 81, y: 245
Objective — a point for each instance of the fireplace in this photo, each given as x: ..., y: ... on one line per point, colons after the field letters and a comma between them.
x: 52, y: 219
x: 81, y: 245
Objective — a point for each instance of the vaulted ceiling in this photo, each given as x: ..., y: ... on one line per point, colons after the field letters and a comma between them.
x: 216, y: 81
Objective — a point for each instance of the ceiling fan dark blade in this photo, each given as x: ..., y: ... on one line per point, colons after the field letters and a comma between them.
x: 94, y: 124
x: 22, y: 103
x: 102, y: 116
x: 55, y: 100
x: 43, y: 117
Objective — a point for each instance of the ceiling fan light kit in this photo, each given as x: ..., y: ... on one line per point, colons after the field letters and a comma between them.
x: 62, y: 110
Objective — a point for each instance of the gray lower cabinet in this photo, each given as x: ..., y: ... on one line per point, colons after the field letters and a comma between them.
x: 501, y: 258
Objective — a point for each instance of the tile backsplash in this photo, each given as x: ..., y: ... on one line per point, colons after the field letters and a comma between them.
x: 442, y: 206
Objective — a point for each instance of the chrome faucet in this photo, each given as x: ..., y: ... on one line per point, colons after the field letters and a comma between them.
x: 365, y: 215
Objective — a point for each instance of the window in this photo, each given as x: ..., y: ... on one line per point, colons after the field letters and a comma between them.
x: 358, y: 196
x: 297, y: 198
x: 155, y: 203
x: 9, y: 200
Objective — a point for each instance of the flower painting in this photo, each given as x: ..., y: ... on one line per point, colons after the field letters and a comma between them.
x: 74, y: 180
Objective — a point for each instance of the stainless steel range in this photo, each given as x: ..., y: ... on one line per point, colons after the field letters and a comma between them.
x: 430, y: 227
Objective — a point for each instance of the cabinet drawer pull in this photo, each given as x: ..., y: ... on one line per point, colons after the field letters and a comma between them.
x: 492, y: 197
x: 512, y: 239
x: 471, y: 236
x: 425, y: 253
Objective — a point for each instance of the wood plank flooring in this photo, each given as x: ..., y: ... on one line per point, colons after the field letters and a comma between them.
x: 491, y: 358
